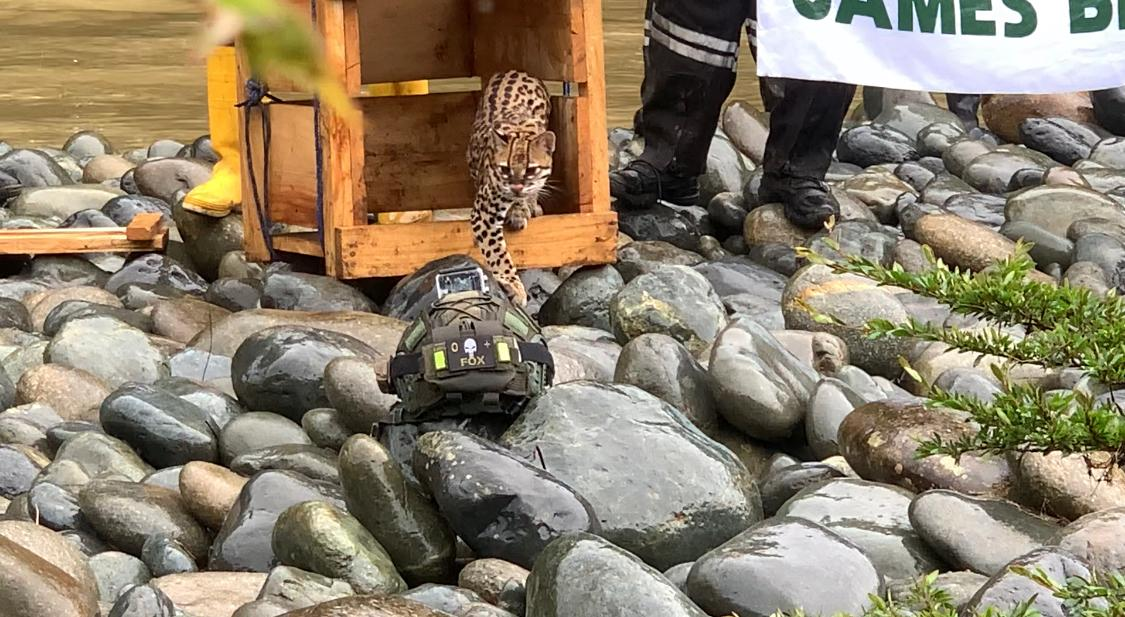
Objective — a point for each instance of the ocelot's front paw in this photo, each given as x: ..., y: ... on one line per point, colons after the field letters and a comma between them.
x: 515, y: 290
x: 518, y: 216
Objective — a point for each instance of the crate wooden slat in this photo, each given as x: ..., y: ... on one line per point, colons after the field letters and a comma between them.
x: 409, y: 155
x: 145, y: 233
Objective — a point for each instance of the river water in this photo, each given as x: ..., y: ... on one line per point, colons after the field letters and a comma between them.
x: 126, y: 68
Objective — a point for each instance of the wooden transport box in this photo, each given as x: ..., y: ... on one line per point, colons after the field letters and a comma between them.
x: 410, y: 155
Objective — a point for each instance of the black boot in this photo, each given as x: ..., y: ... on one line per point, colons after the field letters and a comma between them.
x: 808, y: 202
x: 640, y: 185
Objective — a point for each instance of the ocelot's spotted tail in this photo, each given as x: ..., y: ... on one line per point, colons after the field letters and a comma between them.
x: 510, y: 159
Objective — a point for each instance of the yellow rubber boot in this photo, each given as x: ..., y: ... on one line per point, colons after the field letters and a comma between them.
x: 219, y: 195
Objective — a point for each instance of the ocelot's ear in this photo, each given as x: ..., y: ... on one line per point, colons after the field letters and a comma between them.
x: 546, y: 141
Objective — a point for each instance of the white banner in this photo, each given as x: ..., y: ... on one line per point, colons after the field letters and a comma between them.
x: 959, y: 46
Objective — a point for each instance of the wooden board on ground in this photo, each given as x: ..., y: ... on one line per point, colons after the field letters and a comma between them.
x: 548, y: 242
x: 145, y: 233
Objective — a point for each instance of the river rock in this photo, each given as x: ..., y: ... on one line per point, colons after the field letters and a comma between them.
x: 877, y: 189
x: 580, y: 427
x: 748, y: 129
x: 1007, y: 589
x: 32, y: 585
x: 962, y: 243
x: 307, y: 460
x: 219, y: 406
x: 873, y: 517
x: 19, y: 464
x: 675, y: 300
x: 875, y: 144
x: 582, y: 353
x: 757, y: 384
x: 727, y: 170
x: 156, y: 269
x: 253, y: 431
x: 779, y: 485
x: 126, y: 513
x: 1097, y: 539
x: 115, y: 572
x: 86, y: 145
x: 288, y: 589
x: 761, y: 570
x: 163, y: 178
x: 879, y: 440
x: 294, y: 291
x: 910, y: 118
x: 32, y: 168
x: 727, y: 212
x: 97, y: 454
x: 13, y: 314
x: 497, y: 582
x: 124, y: 208
x: 1110, y: 152
x: 226, y: 336
x: 663, y: 367
x: 318, y: 537
x: 163, y: 428
x: 943, y: 187
x: 61, y: 201
x: 854, y: 301
x: 1056, y: 208
x: 400, y: 517
x: 326, y: 428
x: 961, y: 586
x: 1046, y: 248
x: 465, y: 474
x: 1062, y: 139
x: 210, y: 594
x: 104, y: 167
x: 583, y: 574
x: 1068, y: 486
x: 183, y: 319
x: 73, y: 393
x: 915, y: 174
x: 352, y: 388
x: 992, y: 172
x: 143, y: 601
x: 643, y: 257
x: 165, y: 556
x: 235, y: 294
x: 661, y: 223
x: 831, y: 401
x: 583, y: 299
x: 73, y: 310
x: 369, y: 606
x: 244, y: 541
x: 935, y: 139
x: 207, y: 239
x: 978, y: 534
x: 40, y: 306
x: 767, y: 225
x: 282, y: 368
x: 1005, y: 112
x: 209, y: 491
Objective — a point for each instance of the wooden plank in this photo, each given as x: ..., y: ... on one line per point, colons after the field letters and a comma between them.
x: 305, y: 243
x: 292, y: 168
x: 342, y: 190
x: 524, y: 35
x: 590, y: 113
x: 66, y: 241
x: 563, y: 196
x: 144, y: 226
x: 407, y: 40
x: 254, y: 238
x: 548, y: 242
x: 415, y: 152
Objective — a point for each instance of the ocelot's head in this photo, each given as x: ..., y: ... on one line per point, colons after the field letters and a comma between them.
x: 522, y: 158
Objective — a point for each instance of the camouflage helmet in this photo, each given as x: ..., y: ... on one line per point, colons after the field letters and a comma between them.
x: 470, y: 353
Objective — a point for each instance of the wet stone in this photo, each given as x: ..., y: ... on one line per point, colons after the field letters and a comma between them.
x: 307, y: 460
x: 157, y: 269
x: 81, y: 344
x: 255, y: 430
x: 58, y: 508
x: 281, y: 369
x: 235, y: 294
x: 766, y: 569
x: 163, y: 556
x: 586, y: 575
x: 780, y: 485
x: 19, y: 465
x: 676, y: 300
x: 868, y: 145
x: 583, y: 299
x: 872, y: 516
x: 663, y: 367
x: 143, y: 601
x: 978, y: 534
x: 1006, y: 589
x: 325, y: 428
x: 496, y: 582
x: 163, y: 428
x: 660, y: 223
x: 295, y: 291
x: 127, y: 513
x: 1097, y: 539
x: 590, y: 435
x: 115, y: 572
x: 643, y: 257
x: 401, y: 517
x: 469, y: 477
x: 95, y: 454
x: 321, y: 538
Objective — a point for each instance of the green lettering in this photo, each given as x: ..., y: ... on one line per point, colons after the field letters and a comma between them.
x: 969, y: 22
x: 1080, y: 24
x: 927, y: 11
x: 813, y: 9
x: 1029, y: 20
x: 867, y: 8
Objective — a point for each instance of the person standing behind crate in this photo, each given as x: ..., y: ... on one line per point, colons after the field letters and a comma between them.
x: 690, y: 54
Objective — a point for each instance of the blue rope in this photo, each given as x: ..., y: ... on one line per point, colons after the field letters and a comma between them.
x: 256, y: 93
x: 319, y: 156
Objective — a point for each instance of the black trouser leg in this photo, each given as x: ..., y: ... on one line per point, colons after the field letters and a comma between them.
x: 691, y: 48
x: 805, y: 120
x: 965, y: 106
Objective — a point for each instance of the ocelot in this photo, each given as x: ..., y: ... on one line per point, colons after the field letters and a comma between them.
x: 510, y: 159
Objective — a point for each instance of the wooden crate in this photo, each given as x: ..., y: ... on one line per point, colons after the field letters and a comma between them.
x: 146, y: 232
x: 410, y: 155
